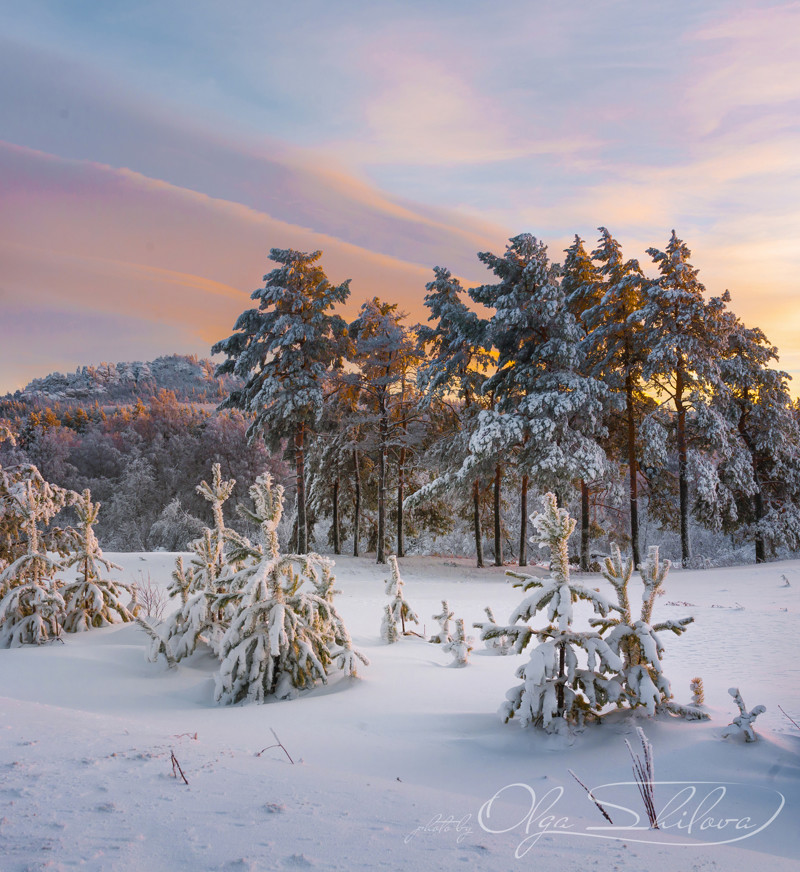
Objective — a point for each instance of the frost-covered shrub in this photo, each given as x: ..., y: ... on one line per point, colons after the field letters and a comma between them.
x: 444, y: 617
x: 459, y: 645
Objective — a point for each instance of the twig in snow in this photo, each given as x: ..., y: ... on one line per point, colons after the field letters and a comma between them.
x: 278, y: 744
x: 643, y: 772
x: 181, y: 735
x: 791, y: 719
x: 589, y: 792
x: 176, y: 767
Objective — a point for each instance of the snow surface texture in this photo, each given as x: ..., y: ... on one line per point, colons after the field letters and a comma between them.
x: 391, y: 771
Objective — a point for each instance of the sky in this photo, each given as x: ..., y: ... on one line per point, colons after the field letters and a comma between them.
x: 152, y: 153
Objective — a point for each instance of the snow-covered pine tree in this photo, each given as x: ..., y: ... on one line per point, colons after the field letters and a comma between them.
x: 281, y: 638
x: 760, y: 409
x: 283, y: 350
x: 389, y: 632
x: 31, y: 606
x: 606, y: 302
x: 743, y: 722
x: 686, y: 336
x: 208, y: 576
x: 557, y: 689
x: 544, y: 403
x: 457, y: 357
x: 399, y: 610
x: 636, y: 641
x: 444, y: 617
x: 91, y: 600
x: 459, y: 646
x: 386, y: 352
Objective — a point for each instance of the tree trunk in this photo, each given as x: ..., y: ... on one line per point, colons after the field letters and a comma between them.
x: 300, y: 470
x: 384, y: 436
x: 401, y: 471
x: 357, y: 507
x: 584, y: 526
x: 476, y: 522
x: 523, y: 522
x: 498, y: 541
x: 337, y: 545
x: 758, y: 505
x: 633, y: 471
x: 683, y: 480
x: 562, y: 671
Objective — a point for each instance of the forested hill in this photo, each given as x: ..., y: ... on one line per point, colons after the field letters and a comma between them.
x: 187, y: 377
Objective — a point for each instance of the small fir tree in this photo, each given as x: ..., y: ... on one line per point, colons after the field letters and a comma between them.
x: 743, y: 722
x: 399, y: 610
x: 636, y: 641
x: 91, y: 600
x: 459, y: 645
x: 444, y: 618
x: 32, y: 608
x: 498, y: 644
x: 556, y: 688
x: 281, y: 638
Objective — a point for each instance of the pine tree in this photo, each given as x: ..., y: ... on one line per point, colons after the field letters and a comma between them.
x: 556, y: 689
x: 686, y: 336
x: 385, y: 352
x: 457, y: 359
x: 399, y: 610
x: 636, y: 641
x: 283, y: 350
x: 607, y: 302
x: 543, y: 401
x: 444, y: 618
x: 91, y: 600
x: 459, y: 645
x: 31, y: 606
x: 759, y: 407
x: 282, y: 638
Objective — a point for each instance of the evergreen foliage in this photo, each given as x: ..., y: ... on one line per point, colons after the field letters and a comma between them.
x: 283, y: 351
x: 91, y: 600
x: 399, y: 611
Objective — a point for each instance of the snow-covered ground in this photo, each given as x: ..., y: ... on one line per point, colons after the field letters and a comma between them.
x: 396, y: 770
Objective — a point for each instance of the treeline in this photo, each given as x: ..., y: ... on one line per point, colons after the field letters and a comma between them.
x: 141, y: 462
x: 636, y: 399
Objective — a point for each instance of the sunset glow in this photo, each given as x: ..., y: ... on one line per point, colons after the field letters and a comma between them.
x: 151, y: 155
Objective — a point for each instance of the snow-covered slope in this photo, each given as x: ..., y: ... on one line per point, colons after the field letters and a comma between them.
x: 395, y: 770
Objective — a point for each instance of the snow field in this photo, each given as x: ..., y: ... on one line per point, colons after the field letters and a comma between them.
x: 392, y: 769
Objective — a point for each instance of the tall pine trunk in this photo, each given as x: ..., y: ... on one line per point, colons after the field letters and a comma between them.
x: 384, y: 437
x: 498, y: 541
x: 476, y: 522
x: 758, y: 505
x: 337, y: 545
x: 401, y: 471
x: 683, y: 478
x: 357, y: 506
x: 633, y: 470
x: 300, y: 471
x: 523, y: 522
x: 584, y: 526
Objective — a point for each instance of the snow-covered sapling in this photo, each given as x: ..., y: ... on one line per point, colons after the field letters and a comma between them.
x: 698, y: 695
x: 389, y: 632
x: 281, y: 638
x: 31, y: 605
x: 459, y: 645
x: 556, y: 689
x: 635, y: 640
x: 498, y: 644
x: 444, y: 617
x: 399, y: 610
x: 743, y: 722
x: 91, y: 600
